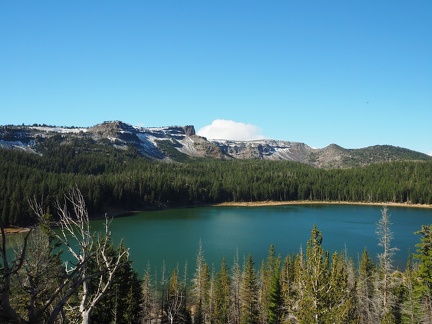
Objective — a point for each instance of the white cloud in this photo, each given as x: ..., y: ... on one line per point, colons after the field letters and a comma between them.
x: 231, y: 130
x: 430, y: 153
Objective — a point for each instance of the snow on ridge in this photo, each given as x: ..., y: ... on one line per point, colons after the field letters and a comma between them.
x: 61, y: 130
x: 17, y: 144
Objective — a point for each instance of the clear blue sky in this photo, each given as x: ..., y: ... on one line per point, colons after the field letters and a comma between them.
x: 355, y: 73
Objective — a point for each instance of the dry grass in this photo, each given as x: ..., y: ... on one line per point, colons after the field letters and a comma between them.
x: 309, y: 202
x: 15, y: 230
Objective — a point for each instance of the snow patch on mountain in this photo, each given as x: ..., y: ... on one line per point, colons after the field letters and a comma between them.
x: 160, y: 143
x: 60, y: 130
x: 28, y: 147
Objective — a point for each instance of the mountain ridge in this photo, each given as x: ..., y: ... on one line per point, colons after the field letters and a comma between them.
x: 181, y: 143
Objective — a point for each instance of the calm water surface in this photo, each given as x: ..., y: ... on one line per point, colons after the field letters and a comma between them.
x: 173, y: 236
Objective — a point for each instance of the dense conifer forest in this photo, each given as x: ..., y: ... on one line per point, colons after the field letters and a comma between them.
x: 116, y: 180
x: 312, y: 286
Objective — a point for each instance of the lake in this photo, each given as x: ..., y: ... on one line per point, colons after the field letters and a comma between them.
x: 173, y: 236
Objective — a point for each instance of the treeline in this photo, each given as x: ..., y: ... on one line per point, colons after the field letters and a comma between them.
x: 312, y: 286
x: 111, y: 179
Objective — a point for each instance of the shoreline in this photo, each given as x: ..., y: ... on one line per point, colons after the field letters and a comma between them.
x: 312, y: 202
x: 15, y: 230
x: 120, y: 213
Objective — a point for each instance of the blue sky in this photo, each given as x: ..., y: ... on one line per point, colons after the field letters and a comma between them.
x: 355, y: 73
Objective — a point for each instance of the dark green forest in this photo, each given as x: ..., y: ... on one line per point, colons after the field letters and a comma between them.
x: 312, y: 286
x: 123, y: 181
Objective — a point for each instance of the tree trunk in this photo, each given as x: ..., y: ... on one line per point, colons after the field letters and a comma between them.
x: 85, y: 317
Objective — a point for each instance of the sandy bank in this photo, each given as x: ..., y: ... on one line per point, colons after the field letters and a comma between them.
x: 120, y: 213
x: 15, y: 230
x: 309, y: 202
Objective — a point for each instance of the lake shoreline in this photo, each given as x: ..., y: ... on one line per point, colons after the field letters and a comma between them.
x: 312, y: 202
x: 268, y: 203
x: 15, y: 230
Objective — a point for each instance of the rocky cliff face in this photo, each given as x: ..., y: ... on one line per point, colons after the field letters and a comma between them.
x: 179, y: 143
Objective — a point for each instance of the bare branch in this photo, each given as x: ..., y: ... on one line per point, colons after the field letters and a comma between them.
x: 76, y: 236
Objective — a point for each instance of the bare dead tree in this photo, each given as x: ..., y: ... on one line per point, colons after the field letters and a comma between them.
x: 387, y: 280
x: 175, y: 304
x: 149, y: 309
x: 77, y: 238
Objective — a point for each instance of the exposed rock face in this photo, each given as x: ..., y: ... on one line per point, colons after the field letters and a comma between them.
x: 265, y: 149
x: 189, y: 130
x: 174, y: 142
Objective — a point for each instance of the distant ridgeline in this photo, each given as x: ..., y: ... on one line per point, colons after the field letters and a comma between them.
x: 118, y: 167
x: 180, y: 143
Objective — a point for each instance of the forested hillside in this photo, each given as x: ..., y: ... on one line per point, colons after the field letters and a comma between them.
x: 123, y: 181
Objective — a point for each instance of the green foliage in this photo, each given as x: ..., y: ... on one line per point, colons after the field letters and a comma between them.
x: 222, y: 294
x: 41, y: 274
x: 122, y: 302
x: 249, y: 293
x: 169, y: 149
x: 271, y: 294
x: 310, y: 287
x: 110, y: 179
x: 175, y: 310
x: 424, y: 255
x: 366, y: 309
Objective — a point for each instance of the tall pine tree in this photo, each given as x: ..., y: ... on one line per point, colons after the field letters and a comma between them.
x: 249, y: 294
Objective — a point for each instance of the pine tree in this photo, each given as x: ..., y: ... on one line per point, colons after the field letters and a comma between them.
x: 424, y: 255
x: 275, y: 299
x: 312, y: 281
x: 271, y: 298
x: 366, y: 307
x: 410, y: 308
x: 235, y: 297
x: 147, y: 293
x: 175, y: 303
x: 340, y: 301
x: 249, y: 294
x: 123, y: 299
x: 222, y: 294
x: 288, y: 287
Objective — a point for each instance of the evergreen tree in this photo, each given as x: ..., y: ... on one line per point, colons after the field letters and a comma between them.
x: 312, y: 281
x: 424, y: 255
x: 410, y: 308
x: 340, y: 301
x: 271, y: 299
x: 288, y: 287
x: 147, y: 296
x: 175, y: 305
x: 123, y: 299
x: 366, y: 307
x: 222, y: 294
x: 249, y: 294
x: 275, y: 300
x: 235, y: 298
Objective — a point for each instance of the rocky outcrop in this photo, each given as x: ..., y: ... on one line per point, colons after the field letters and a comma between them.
x: 177, y: 143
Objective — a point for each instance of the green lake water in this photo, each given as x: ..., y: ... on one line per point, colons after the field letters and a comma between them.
x: 172, y: 236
